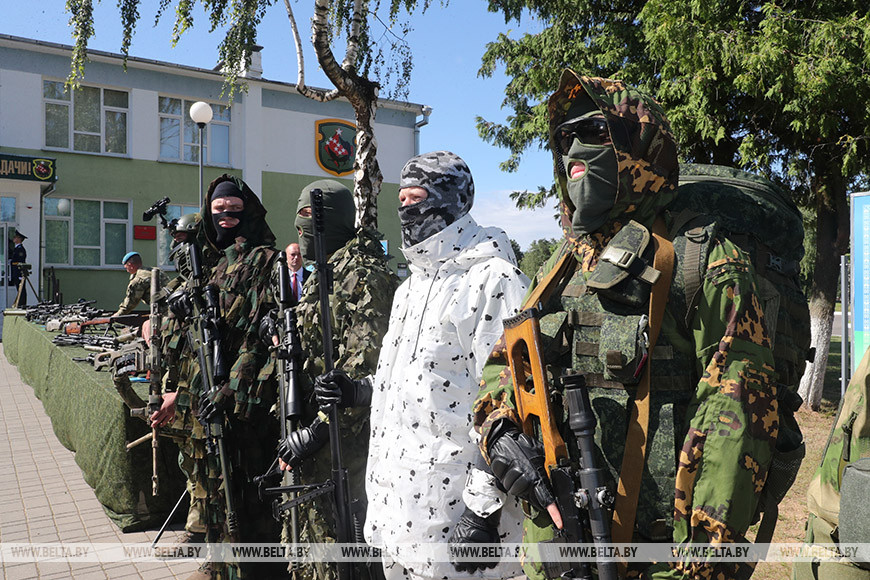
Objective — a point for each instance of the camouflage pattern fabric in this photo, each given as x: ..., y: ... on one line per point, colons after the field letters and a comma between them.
x: 361, y: 301
x: 450, y: 188
x: 138, y: 289
x: 242, y: 274
x: 724, y: 423
x: 849, y: 441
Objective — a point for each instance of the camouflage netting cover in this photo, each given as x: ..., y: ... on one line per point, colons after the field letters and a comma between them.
x: 89, y: 418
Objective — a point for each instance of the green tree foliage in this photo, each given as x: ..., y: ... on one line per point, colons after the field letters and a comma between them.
x: 537, y: 254
x: 518, y: 252
x: 372, y: 58
x: 779, y: 87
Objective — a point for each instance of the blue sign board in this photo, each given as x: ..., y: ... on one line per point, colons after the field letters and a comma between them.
x: 860, y: 318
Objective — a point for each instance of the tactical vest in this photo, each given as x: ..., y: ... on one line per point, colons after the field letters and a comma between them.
x: 598, y: 326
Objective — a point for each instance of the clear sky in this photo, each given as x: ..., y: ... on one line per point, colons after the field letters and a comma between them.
x: 447, y: 45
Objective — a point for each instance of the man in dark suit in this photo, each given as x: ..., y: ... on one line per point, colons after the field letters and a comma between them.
x: 18, y: 255
x: 298, y: 274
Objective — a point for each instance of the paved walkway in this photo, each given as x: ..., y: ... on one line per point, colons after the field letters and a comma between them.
x: 44, y: 498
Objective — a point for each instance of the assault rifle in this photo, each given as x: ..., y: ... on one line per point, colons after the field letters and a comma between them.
x: 42, y: 312
x: 582, y: 495
x: 289, y: 353
x: 76, y: 327
x: 155, y: 390
x: 337, y: 484
x: 204, y: 337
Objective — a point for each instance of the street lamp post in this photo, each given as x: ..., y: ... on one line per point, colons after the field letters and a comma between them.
x: 200, y: 113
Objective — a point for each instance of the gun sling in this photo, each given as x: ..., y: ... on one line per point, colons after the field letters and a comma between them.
x: 634, y: 456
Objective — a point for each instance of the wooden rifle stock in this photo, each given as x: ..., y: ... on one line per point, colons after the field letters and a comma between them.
x: 532, y: 390
x: 532, y: 393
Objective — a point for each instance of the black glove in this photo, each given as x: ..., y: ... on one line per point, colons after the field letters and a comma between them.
x: 180, y: 304
x: 210, y: 408
x: 303, y: 443
x: 473, y: 529
x: 268, y: 327
x: 336, y: 388
x: 517, y: 461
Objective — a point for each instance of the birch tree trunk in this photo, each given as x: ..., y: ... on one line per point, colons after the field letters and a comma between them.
x: 832, y: 235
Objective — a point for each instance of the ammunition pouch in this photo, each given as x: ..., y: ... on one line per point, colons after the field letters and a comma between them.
x: 855, y: 509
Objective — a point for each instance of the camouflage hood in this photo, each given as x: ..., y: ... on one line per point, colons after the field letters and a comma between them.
x: 646, y: 155
x: 254, y: 228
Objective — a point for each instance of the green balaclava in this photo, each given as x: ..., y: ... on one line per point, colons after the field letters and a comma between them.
x: 338, y: 217
x: 590, y: 168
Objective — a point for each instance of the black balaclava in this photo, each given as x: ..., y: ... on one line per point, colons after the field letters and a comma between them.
x: 447, y: 180
x: 338, y: 217
x: 225, y: 236
x: 593, y: 192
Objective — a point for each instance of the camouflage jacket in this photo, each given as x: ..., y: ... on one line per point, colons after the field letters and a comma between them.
x: 243, y: 276
x: 725, y: 417
x: 139, y: 288
x: 363, y: 288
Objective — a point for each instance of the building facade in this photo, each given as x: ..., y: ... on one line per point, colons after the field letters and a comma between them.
x: 125, y: 139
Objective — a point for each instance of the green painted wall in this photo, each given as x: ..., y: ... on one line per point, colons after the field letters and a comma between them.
x: 144, y: 182
x: 281, y: 195
x: 122, y: 179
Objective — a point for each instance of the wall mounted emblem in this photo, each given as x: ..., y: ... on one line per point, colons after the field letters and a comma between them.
x: 335, y: 146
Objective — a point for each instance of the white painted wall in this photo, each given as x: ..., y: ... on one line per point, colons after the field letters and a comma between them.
x: 21, y: 113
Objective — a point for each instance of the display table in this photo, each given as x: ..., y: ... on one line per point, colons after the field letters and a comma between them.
x: 89, y: 418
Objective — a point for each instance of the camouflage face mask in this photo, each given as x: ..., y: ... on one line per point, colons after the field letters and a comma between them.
x: 590, y: 167
x: 338, y: 218
x: 450, y: 188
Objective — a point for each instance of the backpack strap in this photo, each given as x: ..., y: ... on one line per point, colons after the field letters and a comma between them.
x: 634, y: 455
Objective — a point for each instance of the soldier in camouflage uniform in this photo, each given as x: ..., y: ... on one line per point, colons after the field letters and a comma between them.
x: 181, y: 366
x: 839, y: 492
x: 713, y: 410
x: 361, y: 300
x: 139, y: 286
x: 234, y: 226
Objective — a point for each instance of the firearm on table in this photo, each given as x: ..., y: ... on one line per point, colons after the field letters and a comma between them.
x: 582, y: 495
x: 204, y: 336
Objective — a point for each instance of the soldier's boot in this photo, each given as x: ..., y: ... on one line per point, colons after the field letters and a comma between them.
x: 205, y: 572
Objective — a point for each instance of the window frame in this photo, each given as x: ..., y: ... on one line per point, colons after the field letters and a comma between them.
x: 71, y: 131
x: 70, y: 219
x: 185, y: 114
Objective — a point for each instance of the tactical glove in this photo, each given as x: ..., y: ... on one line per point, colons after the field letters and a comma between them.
x: 517, y: 461
x: 268, y: 327
x: 180, y: 304
x: 303, y: 443
x: 212, y: 407
x: 336, y: 388
x: 473, y: 529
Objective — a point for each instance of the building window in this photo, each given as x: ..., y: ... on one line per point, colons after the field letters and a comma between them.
x: 84, y: 232
x: 179, y: 135
x: 7, y: 209
x: 164, y: 240
x: 88, y: 119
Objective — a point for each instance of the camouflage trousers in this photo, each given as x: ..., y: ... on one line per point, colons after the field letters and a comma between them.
x: 249, y: 446
x: 191, y: 452
x: 316, y: 518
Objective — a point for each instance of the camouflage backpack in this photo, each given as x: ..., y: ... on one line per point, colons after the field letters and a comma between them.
x: 756, y: 215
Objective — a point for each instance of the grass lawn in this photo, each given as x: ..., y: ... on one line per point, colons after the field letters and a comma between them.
x: 815, y: 427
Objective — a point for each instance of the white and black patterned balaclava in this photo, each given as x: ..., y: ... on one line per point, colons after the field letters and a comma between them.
x: 447, y: 180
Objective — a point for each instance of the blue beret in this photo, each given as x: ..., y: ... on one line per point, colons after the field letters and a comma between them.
x: 129, y: 255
